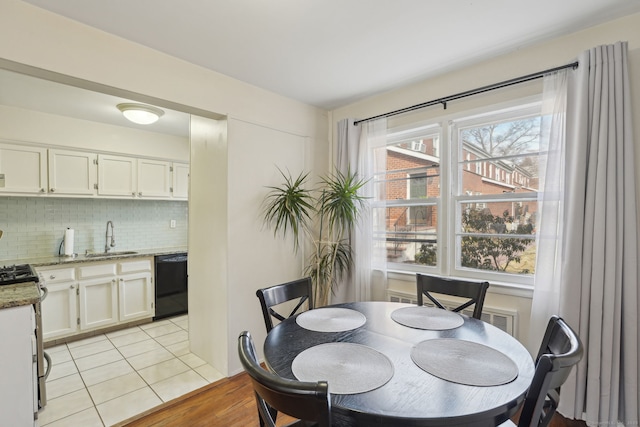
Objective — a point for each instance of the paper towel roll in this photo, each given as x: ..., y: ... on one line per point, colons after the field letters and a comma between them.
x: 68, y: 242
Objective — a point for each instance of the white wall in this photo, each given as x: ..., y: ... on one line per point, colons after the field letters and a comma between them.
x: 209, y: 290
x: 254, y: 260
x: 523, y: 61
x: 38, y: 38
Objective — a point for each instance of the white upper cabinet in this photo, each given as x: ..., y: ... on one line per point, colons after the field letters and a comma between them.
x: 134, y: 177
x: 117, y: 175
x: 72, y: 172
x: 154, y: 178
x: 30, y: 170
x: 180, y: 181
x: 23, y: 169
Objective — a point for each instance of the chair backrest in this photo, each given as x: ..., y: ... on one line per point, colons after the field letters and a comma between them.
x: 278, y: 294
x: 473, y: 291
x: 307, y: 401
x: 561, y: 349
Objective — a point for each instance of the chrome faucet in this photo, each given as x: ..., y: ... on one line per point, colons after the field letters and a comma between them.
x: 106, y: 237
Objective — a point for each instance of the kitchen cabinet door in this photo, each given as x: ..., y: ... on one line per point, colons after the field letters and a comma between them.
x: 60, y: 311
x: 180, y: 181
x: 154, y: 179
x: 72, y: 173
x: 60, y: 306
x: 98, y: 301
x: 117, y: 175
x: 135, y: 296
x: 23, y: 169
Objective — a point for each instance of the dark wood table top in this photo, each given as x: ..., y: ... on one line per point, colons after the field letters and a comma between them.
x: 412, y: 397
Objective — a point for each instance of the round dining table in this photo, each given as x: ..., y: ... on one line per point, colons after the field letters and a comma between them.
x: 409, y: 395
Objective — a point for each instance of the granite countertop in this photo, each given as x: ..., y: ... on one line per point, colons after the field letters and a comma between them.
x: 62, y: 260
x: 19, y: 294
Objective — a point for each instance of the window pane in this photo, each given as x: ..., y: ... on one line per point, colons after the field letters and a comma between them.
x: 500, y: 157
x: 498, y: 236
x: 412, y: 240
x: 413, y: 170
x: 412, y: 192
x: 505, y: 138
x: 498, y: 217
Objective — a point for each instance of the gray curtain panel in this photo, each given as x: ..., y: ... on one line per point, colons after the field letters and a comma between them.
x: 599, y: 292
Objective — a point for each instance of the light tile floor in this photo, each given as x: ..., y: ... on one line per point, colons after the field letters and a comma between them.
x: 102, y: 380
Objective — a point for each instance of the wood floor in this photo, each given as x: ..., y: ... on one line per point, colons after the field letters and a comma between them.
x: 229, y: 402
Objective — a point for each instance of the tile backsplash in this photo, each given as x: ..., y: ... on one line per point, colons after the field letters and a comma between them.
x: 34, y: 227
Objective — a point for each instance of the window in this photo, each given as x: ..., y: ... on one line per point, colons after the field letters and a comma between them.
x: 472, y: 212
x: 411, y: 195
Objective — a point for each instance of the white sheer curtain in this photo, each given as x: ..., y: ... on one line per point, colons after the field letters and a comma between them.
x: 596, y: 270
x: 551, y: 201
x: 355, y: 150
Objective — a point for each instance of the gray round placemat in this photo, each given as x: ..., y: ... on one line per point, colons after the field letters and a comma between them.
x: 421, y: 317
x: 331, y: 319
x: 464, y: 362
x: 348, y: 368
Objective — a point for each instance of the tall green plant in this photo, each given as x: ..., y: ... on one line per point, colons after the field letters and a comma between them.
x: 323, y: 216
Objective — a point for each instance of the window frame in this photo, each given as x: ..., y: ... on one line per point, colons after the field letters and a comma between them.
x: 449, y: 202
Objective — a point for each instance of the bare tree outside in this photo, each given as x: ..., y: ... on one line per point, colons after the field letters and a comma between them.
x: 504, y: 139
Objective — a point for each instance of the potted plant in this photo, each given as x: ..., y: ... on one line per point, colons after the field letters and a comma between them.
x: 322, y: 217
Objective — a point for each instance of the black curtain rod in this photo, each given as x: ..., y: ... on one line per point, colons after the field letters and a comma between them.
x: 476, y: 91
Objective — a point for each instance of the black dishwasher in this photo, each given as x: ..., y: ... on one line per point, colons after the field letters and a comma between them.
x: 171, y: 285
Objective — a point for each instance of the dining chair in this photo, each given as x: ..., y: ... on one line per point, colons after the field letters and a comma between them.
x: 560, y: 350
x: 309, y: 402
x: 473, y: 291
x: 269, y: 297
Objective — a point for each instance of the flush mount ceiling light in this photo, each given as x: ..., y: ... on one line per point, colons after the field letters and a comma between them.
x: 141, y: 114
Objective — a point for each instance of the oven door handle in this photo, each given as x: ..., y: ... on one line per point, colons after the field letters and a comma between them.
x: 43, y: 293
x: 48, y: 359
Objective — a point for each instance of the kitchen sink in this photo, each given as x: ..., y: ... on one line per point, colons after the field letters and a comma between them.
x: 109, y: 254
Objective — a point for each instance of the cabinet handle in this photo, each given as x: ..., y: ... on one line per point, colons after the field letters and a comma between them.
x: 133, y: 194
x: 52, y: 277
x: 52, y: 190
x: 140, y: 194
x: 42, y: 190
x: 113, y: 280
x: 71, y: 287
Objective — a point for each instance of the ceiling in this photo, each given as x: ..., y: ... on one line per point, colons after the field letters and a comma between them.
x: 329, y: 53
x: 325, y: 53
x: 31, y: 93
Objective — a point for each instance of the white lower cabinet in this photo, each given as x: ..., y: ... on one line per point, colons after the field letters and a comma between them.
x: 90, y: 296
x: 98, y: 296
x: 60, y: 311
x: 136, y: 296
x: 135, y: 290
x: 98, y: 303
